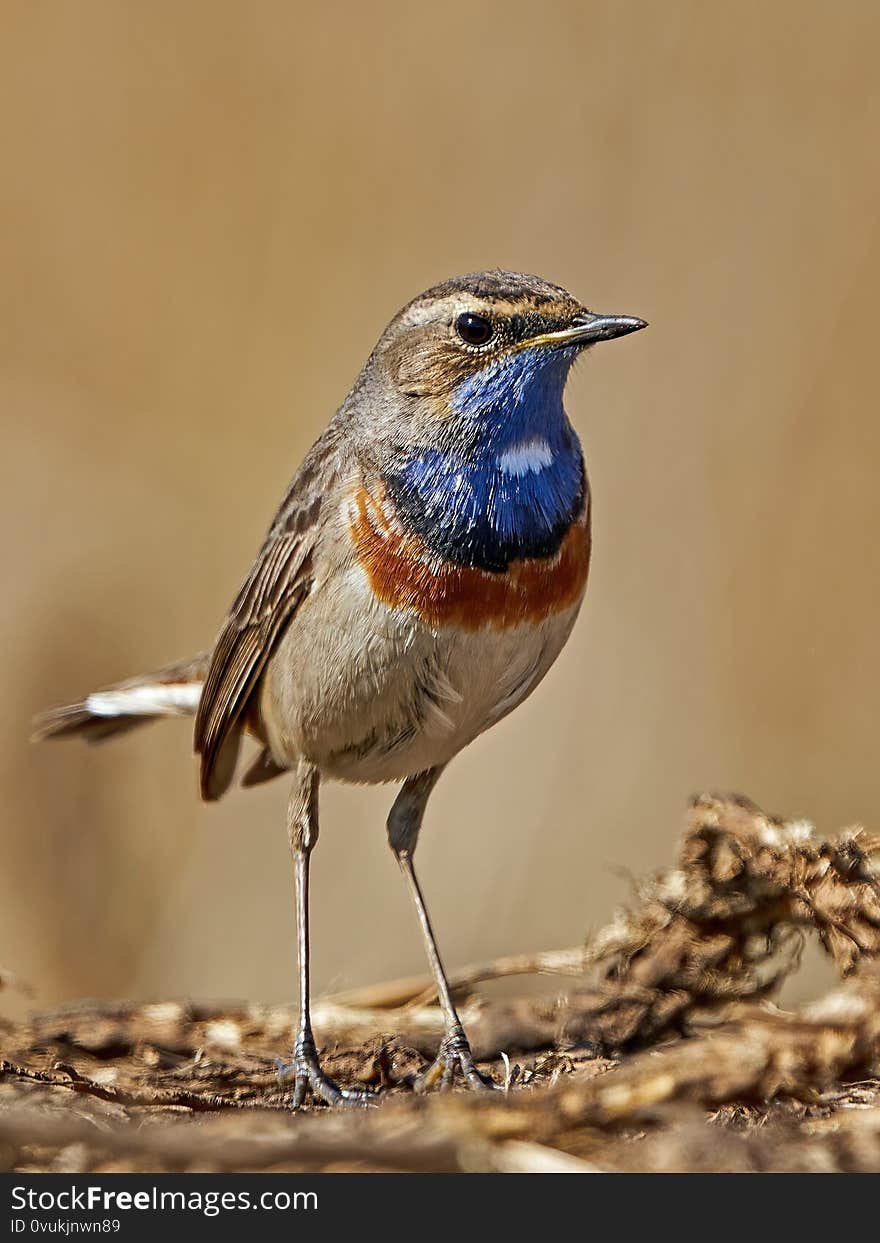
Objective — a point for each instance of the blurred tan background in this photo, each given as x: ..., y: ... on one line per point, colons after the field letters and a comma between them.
x: 209, y: 211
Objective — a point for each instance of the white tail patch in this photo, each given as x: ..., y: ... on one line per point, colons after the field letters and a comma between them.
x: 158, y: 699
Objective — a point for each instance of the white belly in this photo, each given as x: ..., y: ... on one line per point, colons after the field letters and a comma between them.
x: 376, y: 695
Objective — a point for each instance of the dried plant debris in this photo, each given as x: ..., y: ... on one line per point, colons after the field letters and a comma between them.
x: 727, y: 924
x: 666, y: 1052
x: 724, y: 926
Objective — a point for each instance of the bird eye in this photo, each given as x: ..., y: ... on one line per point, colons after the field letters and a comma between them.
x: 474, y: 329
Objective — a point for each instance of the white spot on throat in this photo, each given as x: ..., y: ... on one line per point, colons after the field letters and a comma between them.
x: 529, y: 457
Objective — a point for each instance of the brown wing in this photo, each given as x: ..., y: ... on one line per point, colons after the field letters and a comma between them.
x: 274, y: 589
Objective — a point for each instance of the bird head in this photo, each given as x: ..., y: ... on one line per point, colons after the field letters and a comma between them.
x: 486, y: 322
x: 479, y: 350
x: 460, y: 421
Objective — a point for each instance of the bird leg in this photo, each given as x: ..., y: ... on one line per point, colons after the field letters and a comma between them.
x: 404, y: 823
x: 305, y: 1069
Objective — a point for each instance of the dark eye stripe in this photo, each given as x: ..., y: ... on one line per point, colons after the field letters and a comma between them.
x: 474, y: 329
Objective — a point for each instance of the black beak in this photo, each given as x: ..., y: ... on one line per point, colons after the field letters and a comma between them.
x: 585, y: 329
x: 588, y: 327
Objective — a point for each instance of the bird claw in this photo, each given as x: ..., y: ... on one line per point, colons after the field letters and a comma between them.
x: 306, y: 1073
x: 454, y: 1054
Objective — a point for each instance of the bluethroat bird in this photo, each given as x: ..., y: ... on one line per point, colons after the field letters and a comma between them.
x: 421, y: 576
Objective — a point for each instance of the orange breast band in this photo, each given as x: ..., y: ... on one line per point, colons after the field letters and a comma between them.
x: 404, y: 574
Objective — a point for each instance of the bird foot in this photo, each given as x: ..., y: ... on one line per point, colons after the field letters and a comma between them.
x: 306, y: 1072
x: 454, y: 1054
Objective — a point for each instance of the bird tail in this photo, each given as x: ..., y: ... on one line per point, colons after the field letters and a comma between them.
x: 172, y: 691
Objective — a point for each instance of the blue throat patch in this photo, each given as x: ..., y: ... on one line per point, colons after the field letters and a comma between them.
x: 511, y: 481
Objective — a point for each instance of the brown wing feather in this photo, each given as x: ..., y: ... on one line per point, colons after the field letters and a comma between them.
x: 269, y: 598
x: 270, y: 595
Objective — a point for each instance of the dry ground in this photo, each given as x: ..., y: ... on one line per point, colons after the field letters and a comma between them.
x: 664, y: 1052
